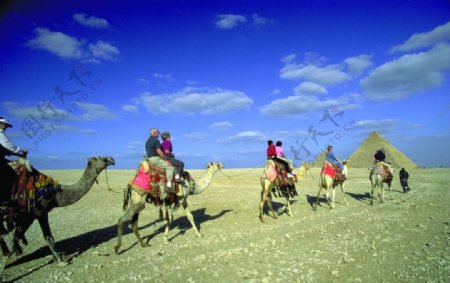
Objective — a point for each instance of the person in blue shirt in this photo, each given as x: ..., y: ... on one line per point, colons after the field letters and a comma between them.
x: 330, y: 157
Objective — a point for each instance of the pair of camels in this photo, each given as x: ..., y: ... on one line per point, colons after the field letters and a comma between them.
x: 135, y: 198
x: 65, y: 195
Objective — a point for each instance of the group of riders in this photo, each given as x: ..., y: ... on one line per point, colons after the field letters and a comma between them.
x: 275, y: 153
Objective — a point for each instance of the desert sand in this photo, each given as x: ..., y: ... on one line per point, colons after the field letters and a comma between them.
x: 406, y: 239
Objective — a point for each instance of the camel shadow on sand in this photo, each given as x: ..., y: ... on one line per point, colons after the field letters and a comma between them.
x: 322, y: 199
x: 277, y: 206
x: 77, y: 245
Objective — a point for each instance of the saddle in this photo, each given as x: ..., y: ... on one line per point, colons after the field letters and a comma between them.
x: 334, y: 172
x: 286, y: 185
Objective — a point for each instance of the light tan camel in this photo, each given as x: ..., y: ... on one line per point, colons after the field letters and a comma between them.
x: 377, y: 177
x: 271, y: 183
x: 61, y: 196
x: 134, y: 203
x: 303, y: 170
x: 328, y: 183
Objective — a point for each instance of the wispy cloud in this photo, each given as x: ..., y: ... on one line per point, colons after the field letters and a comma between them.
x: 221, y: 125
x: 195, y: 136
x: 58, y: 43
x: 259, y: 21
x: 295, y: 106
x: 309, y: 88
x: 245, y: 137
x: 408, y: 74
x: 69, y: 47
x: 190, y: 100
x: 167, y: 77
x: 356, y: 65
x: 90, y: 21
x: 229, y: 21
x: 130, y: 108
x: 382, y: 125
x: 440, y: 34
x: 93, y: 111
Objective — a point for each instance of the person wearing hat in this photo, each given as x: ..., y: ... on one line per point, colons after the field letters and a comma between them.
x: 167, y: 148
x: 8, y: 177
x: 379, y: 157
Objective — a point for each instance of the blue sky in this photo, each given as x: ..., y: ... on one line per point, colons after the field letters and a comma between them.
x: 84, y: 78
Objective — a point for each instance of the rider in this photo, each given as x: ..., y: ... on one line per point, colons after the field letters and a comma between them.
x: 379, y: 157
x: 8, y: 176
x: 167, y: 149
x: 156, y: 156
x: 330, y: 157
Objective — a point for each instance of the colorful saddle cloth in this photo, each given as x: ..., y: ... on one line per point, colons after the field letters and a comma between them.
x: 334, y: 172
x: 284, y: 187
x: 34, y: 189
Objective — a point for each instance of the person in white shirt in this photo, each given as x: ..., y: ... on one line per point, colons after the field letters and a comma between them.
x: 8, y: 177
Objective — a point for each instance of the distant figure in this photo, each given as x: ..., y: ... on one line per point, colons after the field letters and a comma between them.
x: 404, y: 180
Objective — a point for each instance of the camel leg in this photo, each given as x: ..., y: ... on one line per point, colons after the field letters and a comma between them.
x: 137, y: 205
x: 381, y: 193
x: 288, y: 206
x: 190, y: 217
x: 333, y: 196
x: 266, y: 187
x: 343, y: 193
x: 45, y: 227
x: 167, y: 220
x: 135, y: 228
x: 317, y: 199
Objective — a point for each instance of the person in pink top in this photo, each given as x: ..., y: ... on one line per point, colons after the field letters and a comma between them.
x: 167, y: 149
x: 281, y: 157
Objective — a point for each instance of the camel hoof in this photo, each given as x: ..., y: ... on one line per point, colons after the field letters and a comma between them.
x: 314, y: 208
x: 145, y: 245
x: 62, y: 264
x: 199, y: 235
x: 261, y: 218
x: 116, y: 249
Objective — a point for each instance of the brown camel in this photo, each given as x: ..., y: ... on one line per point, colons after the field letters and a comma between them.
x: 328, y: 183
x: 271, y: 181
x: 378, y: 176
x: 65, y: 195
x: 134, y: 203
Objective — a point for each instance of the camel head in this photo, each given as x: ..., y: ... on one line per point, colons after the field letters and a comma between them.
x: 346, y: 162
x: 215, y: 166
x: 99, y: 163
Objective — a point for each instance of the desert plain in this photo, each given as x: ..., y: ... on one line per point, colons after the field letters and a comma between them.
x: 405, y: 239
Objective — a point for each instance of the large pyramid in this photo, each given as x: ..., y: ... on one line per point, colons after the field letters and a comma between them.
x: 363, y: 155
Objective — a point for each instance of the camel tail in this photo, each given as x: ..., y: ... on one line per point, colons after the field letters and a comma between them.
x: 126, y: 197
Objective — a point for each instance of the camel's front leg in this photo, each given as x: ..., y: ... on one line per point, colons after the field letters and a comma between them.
x: 381, y: 193
x: 45, y: 227
x: 190, y: 217
x: 333, y: 196
x: 317, y: 199
x: 343, y: 194
x: 288, y: 207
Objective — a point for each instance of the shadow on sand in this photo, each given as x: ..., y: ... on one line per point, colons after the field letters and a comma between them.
x: 74, y: 246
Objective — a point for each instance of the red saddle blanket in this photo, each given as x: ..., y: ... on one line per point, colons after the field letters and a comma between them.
x: 327, y: 169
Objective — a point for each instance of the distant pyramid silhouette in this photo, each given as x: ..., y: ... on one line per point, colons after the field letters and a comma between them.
x: 363, y: 155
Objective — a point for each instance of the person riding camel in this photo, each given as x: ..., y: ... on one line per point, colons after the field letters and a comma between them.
x: 156, y: 156
x: 272, y: 154
x: 379, y: 158
x: 167, y: 149
x: 8, y: 176
x: 330, y: 157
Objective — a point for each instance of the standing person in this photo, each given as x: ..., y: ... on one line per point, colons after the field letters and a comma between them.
x: 330, y: 157
x: 8, y: 177
x: 403, y: 174
x: 167, y: 149
x: 156, y: 156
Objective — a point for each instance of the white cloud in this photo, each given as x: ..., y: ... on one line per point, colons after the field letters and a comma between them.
x: 260, y: 21
x: 143, y: 81
x: 95, y: 112
x: 356, y: 65
x: 58, y: 43
x: 167, y: 77
x: 229, y: 21
x: 195, y: 136
x: 103, y: 50
x: 92, y: 21
x: 440, y: 34
x: 276, y: 92
x: 382, y: 125
x: 293, y: 106
x: 195, y: 100
x: 322, y: 75
x: 408, y: 74
x: 130, y: 108
x: 245, y: 137
x: 221, y: 125
x: 309, y: 88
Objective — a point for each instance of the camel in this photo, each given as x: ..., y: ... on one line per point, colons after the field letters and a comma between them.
x: 135, y: 198
x: 271, y: 181
x: 327, y: 182
x: 61, y: 196
x: 303, y: 170
x: 377, y: 177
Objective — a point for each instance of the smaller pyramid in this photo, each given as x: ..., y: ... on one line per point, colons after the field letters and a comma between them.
x: 363, y: 155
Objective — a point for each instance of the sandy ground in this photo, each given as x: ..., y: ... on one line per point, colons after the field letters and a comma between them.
x: 406, y: 239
